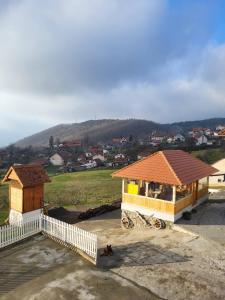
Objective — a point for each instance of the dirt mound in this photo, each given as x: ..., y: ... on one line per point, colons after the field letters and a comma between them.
x: 73, y: 217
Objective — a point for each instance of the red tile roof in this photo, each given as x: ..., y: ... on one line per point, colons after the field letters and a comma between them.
x: 28, y: 175
x: 169, y: 166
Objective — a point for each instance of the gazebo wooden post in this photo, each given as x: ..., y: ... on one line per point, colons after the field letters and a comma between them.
x: 123, y: 184
x: 174, y: 193
x: 146, y: 188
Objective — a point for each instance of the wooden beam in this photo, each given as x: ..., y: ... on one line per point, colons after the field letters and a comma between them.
x: 123, y: 186
x: 174, y: 194
x: 146, y: 188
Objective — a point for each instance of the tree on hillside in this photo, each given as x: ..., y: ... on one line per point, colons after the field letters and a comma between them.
x: 51, y: 142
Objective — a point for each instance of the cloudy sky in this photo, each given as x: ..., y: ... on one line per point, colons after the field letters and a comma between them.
x: 64, y: 61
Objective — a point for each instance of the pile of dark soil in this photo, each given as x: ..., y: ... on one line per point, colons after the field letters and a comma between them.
x: 72, y: 217
x: 64, y: 215
x: 93, y: 212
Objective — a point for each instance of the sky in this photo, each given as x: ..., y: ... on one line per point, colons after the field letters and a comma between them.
x: 67, y: 61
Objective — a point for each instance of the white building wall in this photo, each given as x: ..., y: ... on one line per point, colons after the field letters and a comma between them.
x: 160, y: 215
x: 56, y: 160
x: 219, y: 179
x: 15, y: 216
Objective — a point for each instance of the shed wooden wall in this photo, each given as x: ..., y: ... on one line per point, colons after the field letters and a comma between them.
x: 16, y: 196
x: 32, y: 198
x: 27, y: 199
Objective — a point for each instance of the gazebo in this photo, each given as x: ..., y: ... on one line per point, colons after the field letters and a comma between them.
x: 164, y: 185
x: 26, y: 191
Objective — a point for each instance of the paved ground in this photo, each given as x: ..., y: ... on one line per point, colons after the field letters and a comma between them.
x: 166, y: 263
x: 41, y: 269
x: 208, y: 222
x: 171, y: 264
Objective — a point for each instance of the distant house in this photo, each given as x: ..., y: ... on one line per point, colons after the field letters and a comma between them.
x: 105, y: 152
x: 60, y: 158
x: 179, y: 138
x: 82, y: 157
x: 123, y: 140
x: 220, y: 127
x: 73, y: 167
x: 221, y: 133
x: 201, y: 140
x: 99, y: 162
x: 88, y: 154
x: 99, y: 157
x: 217, y: 180
x: 169, y: 140
x: 121, y: 161
x: 119, y: 155
x: 157, y: 138
x: 208, y: 132
x: 56, y: 160
x: 200, y: 131
x: 89, y: 165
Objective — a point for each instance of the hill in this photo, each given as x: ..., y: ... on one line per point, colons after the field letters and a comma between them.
x: 95, y: 130
x: 104, y: 130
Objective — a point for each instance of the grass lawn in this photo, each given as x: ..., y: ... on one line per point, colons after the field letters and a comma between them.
x: 89, y: 188
x: 3, y: 215
x: 210, y: 156
x: 86, y: 187
x: 3, y: 202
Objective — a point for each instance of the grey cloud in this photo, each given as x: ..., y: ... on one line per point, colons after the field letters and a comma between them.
x: 67, y: 61
x: 65, y: 46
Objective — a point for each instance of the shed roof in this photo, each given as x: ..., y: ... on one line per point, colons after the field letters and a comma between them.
x: 27, y: 175
x: 169, y: 166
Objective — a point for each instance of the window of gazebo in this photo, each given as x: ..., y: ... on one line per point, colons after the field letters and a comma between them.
x: 156, y: 190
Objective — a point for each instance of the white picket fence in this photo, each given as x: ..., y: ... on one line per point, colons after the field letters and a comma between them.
x: 65, y: 233
x: 71, y: 235
x: 10, y: 234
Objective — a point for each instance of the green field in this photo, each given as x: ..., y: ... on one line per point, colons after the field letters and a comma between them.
x: 210, y: 156
x: 91, y: 188
x: 3, y: 202
x: 86, y: 187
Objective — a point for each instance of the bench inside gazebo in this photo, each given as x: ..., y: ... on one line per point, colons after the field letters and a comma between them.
x: 164, y: 184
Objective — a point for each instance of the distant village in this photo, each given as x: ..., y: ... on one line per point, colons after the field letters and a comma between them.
x: 77, y: 155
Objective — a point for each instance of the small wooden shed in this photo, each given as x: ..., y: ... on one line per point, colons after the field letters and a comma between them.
x: 26, y: 190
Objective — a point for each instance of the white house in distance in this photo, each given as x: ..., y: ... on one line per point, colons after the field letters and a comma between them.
x: 100, y: 157
x: 56, y: 160
x: 217, y: 180
x: 90, y: 164
x: 201, y: 140
x: 119, y: 155
x: 179, y: 138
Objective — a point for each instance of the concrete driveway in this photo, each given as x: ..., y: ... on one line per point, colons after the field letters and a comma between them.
x: 42, y: 269
x: 208, y: 221
x: 171, y: 264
